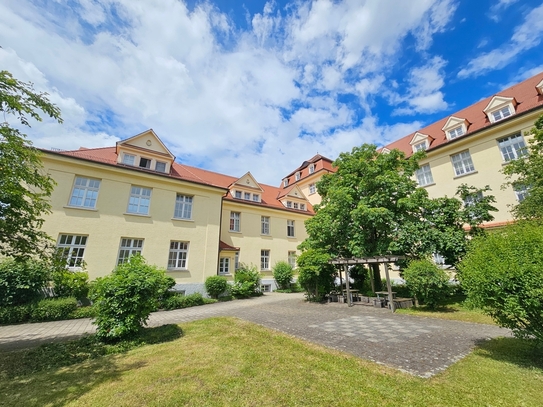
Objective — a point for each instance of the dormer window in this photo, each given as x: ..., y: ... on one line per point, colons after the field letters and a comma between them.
x: 501, y: 114
x: 296, y: 205
x: 285, y: 182
x: 456, y: 132
x: 420, y: 142
x: 289, y: 204
x: 129, y: 159
x: 238, y: 194
x: 539, y: 87
x: 160, y: 166
x: 297, y: 176
x: 302, y: 207
x: 256, y: 198
x: 312, y: 168
x: 145, y: 163
x: 247, y: 196
x: 420, y: 146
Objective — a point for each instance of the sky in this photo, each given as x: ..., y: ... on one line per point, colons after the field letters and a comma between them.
x: 235, y: 86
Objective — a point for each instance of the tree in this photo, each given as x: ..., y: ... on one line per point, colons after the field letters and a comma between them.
x: 427, y: 282
x: 283, y: 274
x: 526, y: 174
x: 503, y: 274
x: 372, y: 206
x: 24, y: 187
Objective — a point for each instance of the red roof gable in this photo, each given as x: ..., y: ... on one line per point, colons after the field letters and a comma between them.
x: 525, y: 93
x: 320, y: 162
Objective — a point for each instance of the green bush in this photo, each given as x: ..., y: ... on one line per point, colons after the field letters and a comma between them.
x: 124, y: 299
x: 71, y: 283
x: 246, y: 282
x: 83, y: 312
x: 53, y: 309
x: 21, y: 282
x: 14, y: 314
x: 216, y: 285
x: 178, y: 301
x: 315, y: 275
x: 427, y: 282
x: 503, y: 275
x: 283, y: 273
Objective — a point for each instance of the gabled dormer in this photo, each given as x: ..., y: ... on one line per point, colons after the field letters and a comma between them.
x: 420, y: 142
x: 293, y: 198
x: 246, y: 188
x: 455, y: 127
x: 146, y: 151
x: 385, y: 150
x: 499, y: 108
x: 539, y: 87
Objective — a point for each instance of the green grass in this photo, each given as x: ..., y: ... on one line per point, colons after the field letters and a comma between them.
x: 453, y: 308
x: 228, y: 362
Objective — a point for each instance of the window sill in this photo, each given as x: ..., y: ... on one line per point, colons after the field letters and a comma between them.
x: 137, y: 214
x: 265, y: 235
x: 291, y: 237
x: 80, y: 208
x: 235, y: 231
x: 183, y: 220
x: 465, y: 175
x: 428, y: 185
x: 168, y: 269
x: 225, y: 274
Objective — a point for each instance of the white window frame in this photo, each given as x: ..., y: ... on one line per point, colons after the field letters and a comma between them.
x: 285, y: 183
x: 178, y: 255
x: 312, y: 168
x: 456, y: 132
x: 291, y: 232
x: 183, y: 206
x: 512, y: 147
x: 161, y: 163
x: 256, y: 198
x: 72, y: 249
x: 501, y: 113
x: 265, y: 288
x: 289, y: 204
x: 296, y: 205
x: 297, y: 176
x: 236, y: 261
x: 264, y: 259
x: 224, y: 265
x: 235, y: 221
x: 247, y: 196
x: 129, y: 159
x: 312, y: 189
x: 422, y: 146
x: 424, y: 175
x: 462, y: 163
x: 302, y: 207
x: 85, y: 192
x: 237, y: 194
x: 520, y: 193
x: 128, y: 247
x: 292, y: 259
x: 148, y: 162
x: 139, y: 201
x: 265, y: 225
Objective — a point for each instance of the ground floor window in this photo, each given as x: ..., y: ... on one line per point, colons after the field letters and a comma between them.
x: 292, y: 259
x: 72, y: 249
x: 266, y: 288
x: 224, y: 265
x: 177, y: 258
x: 128, y: 248
x: 264, y: 259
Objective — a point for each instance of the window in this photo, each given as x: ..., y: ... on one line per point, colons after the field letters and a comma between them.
x: 420, y: 146
x: 289, y: 204
x: 183, y: 207
x: 177, y: 258
x: 290, y: 228
x: 265, y: 225
x: 456, y: 132
x: 224, y: 265
x: 302, y: 207
x: 312, y: 188
x: 264, y: 259
x: 236, y: 261
x: 85, y: 192
x: 292, y: 259
x: 462, y: 163
x: 145, y: 163
x: 234, y: 221
x: 285, y: 183
x: 297, y: 176
x: 296, y: 205
x: 256, y: 198
x: 311, y: 168
x: 501, y: 113
x: 521, y: 193
x: 471, y: 200
x: 512, y: 147
x: 129, y: 159
x: 160, y: 166
x: 72, y: 249
x: 238, y: 194
x: 265, y: 288
x: 128, y: 248
x: 424, y: 175
x: 247, y: 196
x: 140, y: 199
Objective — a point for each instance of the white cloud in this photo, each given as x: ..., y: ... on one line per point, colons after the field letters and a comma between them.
x: 229, y: 99
x: 525, y: 37
x: 498, y: 7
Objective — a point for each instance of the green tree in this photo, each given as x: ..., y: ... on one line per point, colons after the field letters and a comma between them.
x: 427, y: 282
x: 283, y: 274
x: 315, y: 275
x: 24, y: 187
x: 526, y: 174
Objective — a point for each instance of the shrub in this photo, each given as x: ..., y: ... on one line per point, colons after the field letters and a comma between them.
x: 178, y: 301
x: 216, y: 285
x: 427, y: 282
x: 246, y: 282
x: 283, y: 273
x: 503, y: 275
x: 315, y: 274
x: 83, y: 312
x: 14, y: 314
x: 71, y: 284
x: 53, y: 309
x: 124, y: 299
x: 21, y: 282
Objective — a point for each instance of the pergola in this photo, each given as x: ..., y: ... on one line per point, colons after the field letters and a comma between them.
x: 367, y: 260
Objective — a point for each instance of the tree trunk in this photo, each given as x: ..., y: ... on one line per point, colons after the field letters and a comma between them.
x: 378, y: 286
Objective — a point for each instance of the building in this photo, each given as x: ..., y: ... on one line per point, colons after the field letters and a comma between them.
x: 472, y: 145
x: 112, y: 202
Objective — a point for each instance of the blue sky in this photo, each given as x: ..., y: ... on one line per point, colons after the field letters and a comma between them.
x: 261, y: 86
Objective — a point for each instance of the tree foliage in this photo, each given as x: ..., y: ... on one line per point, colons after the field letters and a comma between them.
x: 22, y: 282
x: 216, y: 285
x: 526, y: 173
x: 315, y: 275
x: 246, y: 281
x: 24, y: 187
x: 427, y: 282
x: 503, y: 274
x: 283, y: 274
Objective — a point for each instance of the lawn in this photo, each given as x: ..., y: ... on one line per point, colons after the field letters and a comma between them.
x: 229, y: 362
x: 453, y: 308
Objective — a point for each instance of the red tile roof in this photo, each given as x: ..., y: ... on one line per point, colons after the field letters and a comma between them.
x: 321, y: 164
x: 525, y: 93
x: 227, y: 247
x: 108, y: 155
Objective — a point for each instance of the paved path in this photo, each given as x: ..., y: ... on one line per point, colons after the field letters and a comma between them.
x: 420, y: 346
